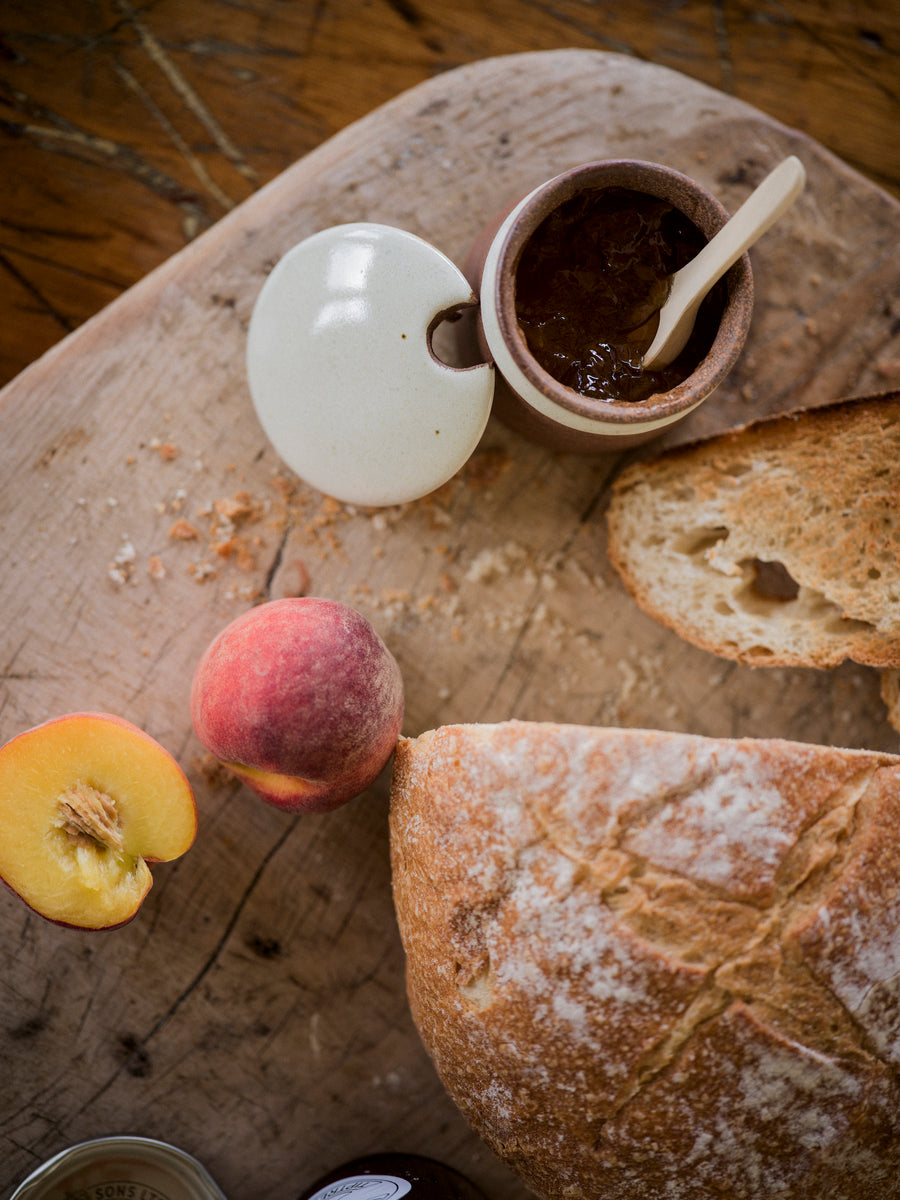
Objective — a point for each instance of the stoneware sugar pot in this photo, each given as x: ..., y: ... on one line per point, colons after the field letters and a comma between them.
x: 350, y: 391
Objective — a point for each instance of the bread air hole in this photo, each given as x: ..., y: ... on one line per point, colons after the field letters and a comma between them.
x: 759, y: 652
x: 696, y: 542
x: 842, y: 626
x: 773, y: 581
x: 736, y: 469
x: 768, y: 588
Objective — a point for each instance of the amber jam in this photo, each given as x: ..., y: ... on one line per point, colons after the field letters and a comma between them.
x: 590, y: 283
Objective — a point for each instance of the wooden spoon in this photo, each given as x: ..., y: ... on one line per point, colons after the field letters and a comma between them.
x: 760, y: 210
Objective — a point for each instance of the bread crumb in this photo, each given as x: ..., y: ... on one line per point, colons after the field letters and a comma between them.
x: 284, y: 487
x: 236, y: 509
x: 121, y: 568
x: 167, y: 451
x: 155, y: 567
x: 183, y: 531
x: 202, y: 571
x: 489, y: 563
x: 236, y: 549
x: 244, y: 593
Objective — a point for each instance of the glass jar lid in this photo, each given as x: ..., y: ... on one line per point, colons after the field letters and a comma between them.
x: 107, y: 1166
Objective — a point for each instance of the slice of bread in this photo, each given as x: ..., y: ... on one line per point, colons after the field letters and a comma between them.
x: 774, y: 544
x: 654, y: 965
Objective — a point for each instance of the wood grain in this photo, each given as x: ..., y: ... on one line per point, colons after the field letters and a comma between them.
x: 127, y: 127
x: 254, y: 1013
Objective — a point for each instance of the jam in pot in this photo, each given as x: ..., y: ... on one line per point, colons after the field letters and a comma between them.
x: 590, y: 282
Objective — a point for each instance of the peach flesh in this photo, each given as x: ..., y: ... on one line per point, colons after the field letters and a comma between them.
x: 86, y: 801
x: 302, y: 700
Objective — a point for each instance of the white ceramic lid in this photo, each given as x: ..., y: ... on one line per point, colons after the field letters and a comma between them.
x: 341, y: 370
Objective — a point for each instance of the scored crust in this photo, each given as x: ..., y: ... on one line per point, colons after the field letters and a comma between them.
x: 776, y: 544
x: 650, y: 964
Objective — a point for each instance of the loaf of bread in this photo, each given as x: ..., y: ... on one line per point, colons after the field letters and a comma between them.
x: 656, y: 966
x: 774, y: 544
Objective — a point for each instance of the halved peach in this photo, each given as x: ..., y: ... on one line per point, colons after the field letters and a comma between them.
x: 86, y: 801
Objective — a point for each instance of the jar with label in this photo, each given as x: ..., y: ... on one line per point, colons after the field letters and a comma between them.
x: 390, y: 1177
x: 120, y: 1168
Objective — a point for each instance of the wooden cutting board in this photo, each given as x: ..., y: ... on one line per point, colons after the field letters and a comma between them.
x: 254, y: 1013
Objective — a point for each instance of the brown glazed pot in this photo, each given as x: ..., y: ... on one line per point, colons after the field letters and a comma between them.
x: 530, y: 400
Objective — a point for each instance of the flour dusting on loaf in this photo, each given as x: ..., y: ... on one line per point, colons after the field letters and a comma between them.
x: 776, y: 544
x: 651, y: 965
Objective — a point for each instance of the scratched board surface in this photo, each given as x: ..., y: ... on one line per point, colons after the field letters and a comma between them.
x: 254, y: 1012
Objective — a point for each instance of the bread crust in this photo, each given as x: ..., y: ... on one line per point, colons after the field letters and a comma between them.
x: 650, y: 964
x: 809, y: 500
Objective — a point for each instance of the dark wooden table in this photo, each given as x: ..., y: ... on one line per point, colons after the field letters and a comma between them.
x: 129, y: 126
x: 255, y: 1012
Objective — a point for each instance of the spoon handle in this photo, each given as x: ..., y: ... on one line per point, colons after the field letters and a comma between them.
x: 760, y: 210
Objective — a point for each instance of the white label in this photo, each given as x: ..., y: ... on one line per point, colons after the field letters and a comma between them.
x: 365, y: 1187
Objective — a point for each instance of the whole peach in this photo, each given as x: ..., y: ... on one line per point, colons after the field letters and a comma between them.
x: 301, y: 699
